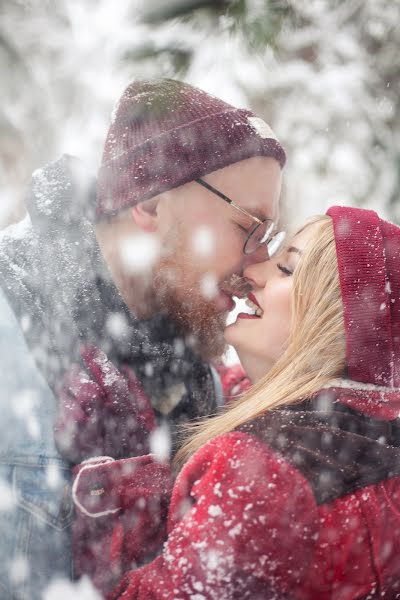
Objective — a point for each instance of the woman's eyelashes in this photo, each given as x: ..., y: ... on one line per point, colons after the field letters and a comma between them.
x: 284, y: 269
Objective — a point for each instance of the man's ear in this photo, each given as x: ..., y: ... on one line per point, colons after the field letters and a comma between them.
x: 145, y: 215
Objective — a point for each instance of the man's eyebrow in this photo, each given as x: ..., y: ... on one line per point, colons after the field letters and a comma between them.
x: 256, y: 214
x: 294, y: 249
x: 259, y: 216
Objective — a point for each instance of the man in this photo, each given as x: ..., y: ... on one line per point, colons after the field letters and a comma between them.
x: 139, y: 269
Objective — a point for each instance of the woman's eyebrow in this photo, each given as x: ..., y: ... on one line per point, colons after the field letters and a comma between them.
x: 294, y: 249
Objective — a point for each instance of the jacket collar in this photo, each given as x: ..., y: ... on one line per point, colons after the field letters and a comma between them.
x: 380, y: 402
x: 338, y: 449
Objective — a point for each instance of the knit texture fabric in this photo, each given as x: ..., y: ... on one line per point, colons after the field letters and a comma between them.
x: 166, y: 133
x: 368, y: 254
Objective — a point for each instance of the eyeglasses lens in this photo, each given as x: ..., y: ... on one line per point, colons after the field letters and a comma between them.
x: 259, y: 236
x: 275, y: 243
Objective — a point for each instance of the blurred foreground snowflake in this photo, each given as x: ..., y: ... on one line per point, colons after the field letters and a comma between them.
x: 61, y: 589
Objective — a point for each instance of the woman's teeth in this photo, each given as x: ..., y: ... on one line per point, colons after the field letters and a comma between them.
x: 256, y: 310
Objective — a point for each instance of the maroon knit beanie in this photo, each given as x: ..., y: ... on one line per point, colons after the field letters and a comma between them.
x: 368, y: 254
x: 166, y: 133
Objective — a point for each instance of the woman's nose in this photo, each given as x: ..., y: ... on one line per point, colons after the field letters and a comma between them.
x: 258, y: 272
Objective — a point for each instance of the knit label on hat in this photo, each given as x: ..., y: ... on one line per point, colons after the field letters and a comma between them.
x: 262, y: 128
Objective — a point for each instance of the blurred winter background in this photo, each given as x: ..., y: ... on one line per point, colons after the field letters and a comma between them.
x: 323, y: 73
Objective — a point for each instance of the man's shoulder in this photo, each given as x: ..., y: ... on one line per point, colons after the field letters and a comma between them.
x: 12, y: 341
x: 15, y: 240
x: 19, y: 370
x: 21, y: 230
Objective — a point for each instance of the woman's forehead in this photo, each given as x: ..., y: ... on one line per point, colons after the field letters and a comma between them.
x: 301, y: 238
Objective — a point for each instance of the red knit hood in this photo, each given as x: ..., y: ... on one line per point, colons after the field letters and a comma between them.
x: 368, y: 254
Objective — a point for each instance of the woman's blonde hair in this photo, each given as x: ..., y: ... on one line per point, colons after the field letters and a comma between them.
x: 316, y: 347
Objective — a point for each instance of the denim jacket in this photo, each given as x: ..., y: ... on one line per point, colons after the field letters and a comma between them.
x: 35, y: 500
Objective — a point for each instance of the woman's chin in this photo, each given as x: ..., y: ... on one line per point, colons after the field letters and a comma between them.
x: 231, y: 336
x: 239, y: 337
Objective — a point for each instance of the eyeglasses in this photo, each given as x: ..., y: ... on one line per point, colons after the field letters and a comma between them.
x: 261, y: 234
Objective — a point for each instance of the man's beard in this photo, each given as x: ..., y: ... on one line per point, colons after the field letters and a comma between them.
x: 196, y: 319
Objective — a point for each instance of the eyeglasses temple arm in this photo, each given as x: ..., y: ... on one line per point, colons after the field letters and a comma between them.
x: 214, y: 190
x: 228, y: 200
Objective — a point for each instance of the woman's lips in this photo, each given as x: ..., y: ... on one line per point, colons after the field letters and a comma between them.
x: 252, y: 297
x: 247, y: 316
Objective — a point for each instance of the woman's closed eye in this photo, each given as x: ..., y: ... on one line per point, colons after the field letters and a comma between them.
x: 284, y: 269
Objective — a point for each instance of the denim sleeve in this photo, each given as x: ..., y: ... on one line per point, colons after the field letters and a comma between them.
x: 35, y: 501
x: 219, y: 396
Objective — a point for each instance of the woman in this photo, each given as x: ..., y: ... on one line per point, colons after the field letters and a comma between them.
x: 294, y: 490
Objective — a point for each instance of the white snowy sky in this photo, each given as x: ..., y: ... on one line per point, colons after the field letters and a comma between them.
x: 329, y: 98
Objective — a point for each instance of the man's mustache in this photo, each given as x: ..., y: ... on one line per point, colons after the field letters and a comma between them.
x: 236, y: 285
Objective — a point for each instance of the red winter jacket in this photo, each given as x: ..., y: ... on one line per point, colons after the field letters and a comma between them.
x: 121, y: 505
x: 234, y: 380
x: 303, y: 503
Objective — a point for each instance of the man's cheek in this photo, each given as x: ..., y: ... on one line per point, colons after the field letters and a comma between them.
x: 204, y: 243
x: 208, y: 286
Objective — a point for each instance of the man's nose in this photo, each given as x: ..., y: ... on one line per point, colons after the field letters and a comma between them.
x: 258, y: 256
